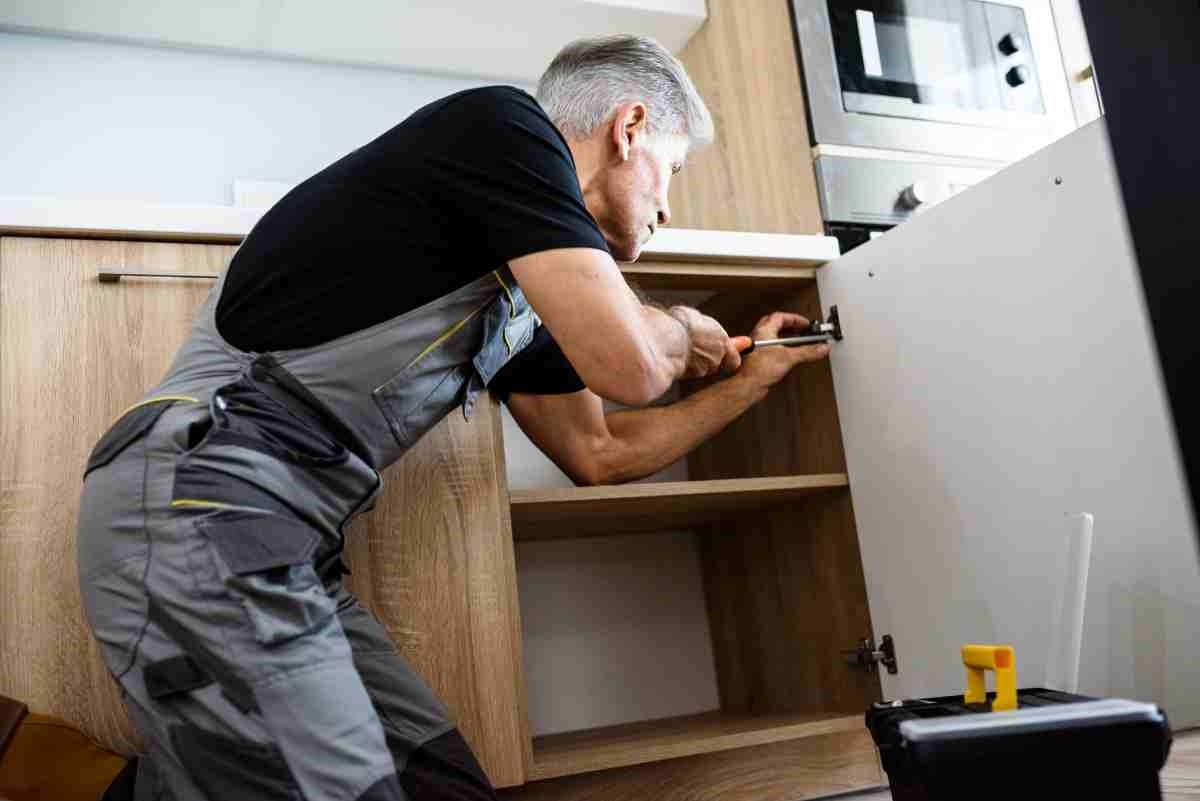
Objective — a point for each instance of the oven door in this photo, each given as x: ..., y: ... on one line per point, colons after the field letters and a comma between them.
x: 950, y: 77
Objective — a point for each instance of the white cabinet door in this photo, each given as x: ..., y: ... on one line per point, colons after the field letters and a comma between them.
x: 998, y: 372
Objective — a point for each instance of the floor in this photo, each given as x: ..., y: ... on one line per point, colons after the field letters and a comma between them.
x: 1180, y: 778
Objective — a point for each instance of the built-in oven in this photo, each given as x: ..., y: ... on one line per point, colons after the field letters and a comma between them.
x: 911, y: 100
x: 951, y: 77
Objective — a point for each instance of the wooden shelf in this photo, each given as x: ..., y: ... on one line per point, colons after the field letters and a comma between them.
x: 660, y: 273
x: 655, y: 740
x: 546, y: 514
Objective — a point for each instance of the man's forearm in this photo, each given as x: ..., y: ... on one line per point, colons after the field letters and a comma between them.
x: 645, y: 441
x: 670, y: 334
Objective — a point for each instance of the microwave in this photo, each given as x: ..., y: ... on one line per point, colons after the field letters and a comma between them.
x: 969, y: 79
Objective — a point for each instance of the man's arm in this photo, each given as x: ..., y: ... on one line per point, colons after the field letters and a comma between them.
x: 623, y: 350
x: 597, y: 448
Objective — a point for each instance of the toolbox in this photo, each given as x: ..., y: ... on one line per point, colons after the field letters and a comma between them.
x: 1040, y: 744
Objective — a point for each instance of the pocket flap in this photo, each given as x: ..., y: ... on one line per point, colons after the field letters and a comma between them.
x: 172, y: 676
x: 252, y: 544
x: 131, y: 425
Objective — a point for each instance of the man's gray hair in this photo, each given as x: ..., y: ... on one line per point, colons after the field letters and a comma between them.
x: 590, y: 78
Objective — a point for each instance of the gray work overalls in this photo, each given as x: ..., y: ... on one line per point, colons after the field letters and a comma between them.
x: 210, y: 534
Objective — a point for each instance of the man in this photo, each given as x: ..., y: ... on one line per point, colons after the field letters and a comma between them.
x: 471, y: 246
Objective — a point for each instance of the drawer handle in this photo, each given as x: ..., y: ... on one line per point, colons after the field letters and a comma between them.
x: 108, y: 276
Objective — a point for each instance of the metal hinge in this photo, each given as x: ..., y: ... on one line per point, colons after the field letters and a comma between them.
x: 867, y: 657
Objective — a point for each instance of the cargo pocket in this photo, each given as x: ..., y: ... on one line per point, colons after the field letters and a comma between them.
x: 225, y: 768
x: 414, y: 402
x: 429, y: 386
x: 265, y: 561
x: 129, y: 428
x: 259, y: 415
x: 508, y: 328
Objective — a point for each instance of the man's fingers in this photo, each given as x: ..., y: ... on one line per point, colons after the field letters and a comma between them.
x: 733, y: 356
x: 810, y: 353
x: 770, y: 326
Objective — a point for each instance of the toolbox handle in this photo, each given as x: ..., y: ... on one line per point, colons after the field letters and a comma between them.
x: 999, y: 658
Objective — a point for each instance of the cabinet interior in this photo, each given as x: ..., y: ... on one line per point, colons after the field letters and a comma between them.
x: 706, y: 607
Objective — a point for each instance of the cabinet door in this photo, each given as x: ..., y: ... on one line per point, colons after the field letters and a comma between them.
x: 434, y: 561
x: 73, y: 354
x: 997, y: 373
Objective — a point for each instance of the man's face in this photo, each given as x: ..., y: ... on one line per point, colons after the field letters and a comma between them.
x: 632, y: 202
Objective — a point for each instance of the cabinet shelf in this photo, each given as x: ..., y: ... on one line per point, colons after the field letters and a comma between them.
x: 654, y: 740
x: 547, y: 514
x: 660, y: 273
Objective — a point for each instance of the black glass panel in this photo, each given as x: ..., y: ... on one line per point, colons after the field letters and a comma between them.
x: 955, y: 54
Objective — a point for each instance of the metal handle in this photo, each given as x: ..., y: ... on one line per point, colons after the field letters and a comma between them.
x: 1088, y: 73
x: 110, y: 276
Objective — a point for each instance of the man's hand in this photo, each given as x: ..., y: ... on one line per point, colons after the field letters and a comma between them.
x: 765, y: 367
x: 711, y: 350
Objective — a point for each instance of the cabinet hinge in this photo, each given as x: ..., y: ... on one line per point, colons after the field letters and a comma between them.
x: 867, y: 657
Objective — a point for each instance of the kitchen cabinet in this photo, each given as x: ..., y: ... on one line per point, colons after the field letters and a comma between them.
x: 434, y: 560
x: 73, y: 354
x: 77, y: 351
x: 996, y: 371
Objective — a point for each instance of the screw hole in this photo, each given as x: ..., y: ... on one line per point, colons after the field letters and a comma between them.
x: 870, y: 275
x: 1058, y: 181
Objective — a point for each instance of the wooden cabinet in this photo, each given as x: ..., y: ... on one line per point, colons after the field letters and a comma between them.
x: 435, y: 560
x: 909, y: 486
x: 73, y: 355
x: 781, y: 591
x: 76, y: 352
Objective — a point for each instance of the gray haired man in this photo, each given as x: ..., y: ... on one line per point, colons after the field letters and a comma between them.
x: 471, y: 246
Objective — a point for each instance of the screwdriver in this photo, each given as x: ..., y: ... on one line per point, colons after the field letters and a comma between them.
x: 817, y: 332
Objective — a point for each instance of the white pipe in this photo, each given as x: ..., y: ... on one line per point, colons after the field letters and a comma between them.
x: 1066, y: 637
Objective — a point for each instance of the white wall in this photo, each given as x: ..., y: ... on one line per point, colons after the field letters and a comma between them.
x: 91, y: 119
x: 615, y: 628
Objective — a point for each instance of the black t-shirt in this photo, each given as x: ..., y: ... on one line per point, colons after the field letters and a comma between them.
x: 540, y: 368
x: 456, y: 190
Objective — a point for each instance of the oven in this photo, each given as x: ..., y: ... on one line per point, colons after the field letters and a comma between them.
x: 910, y: 101
x: 950, y: 77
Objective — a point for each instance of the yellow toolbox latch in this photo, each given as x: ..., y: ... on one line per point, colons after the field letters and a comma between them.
x: 999, y: 658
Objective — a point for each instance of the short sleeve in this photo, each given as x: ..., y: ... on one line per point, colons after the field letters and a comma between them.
x: 507, y: 177
x: 541, y: 368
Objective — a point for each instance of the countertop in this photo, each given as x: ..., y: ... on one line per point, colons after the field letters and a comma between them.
x: 124, y: 219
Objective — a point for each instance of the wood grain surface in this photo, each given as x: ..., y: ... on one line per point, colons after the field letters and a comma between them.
x: 73, y: 354
x: 758, y: 174
x: 669, y: 275
x: 1180, y: 777
x: 570, y: 512
x: 434, y: 561
x: 785, y: 586
x: 783, y: 771
x: 654, y: 740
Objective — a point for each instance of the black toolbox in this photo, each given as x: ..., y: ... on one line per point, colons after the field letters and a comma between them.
x: 1054, y: 746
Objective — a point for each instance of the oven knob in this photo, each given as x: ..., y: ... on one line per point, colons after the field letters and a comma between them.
x: 914, y: 195
x: 1011, y: 43
x: 1017, y: 75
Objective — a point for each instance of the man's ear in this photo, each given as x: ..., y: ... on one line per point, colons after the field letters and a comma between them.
x: 628, y: 127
